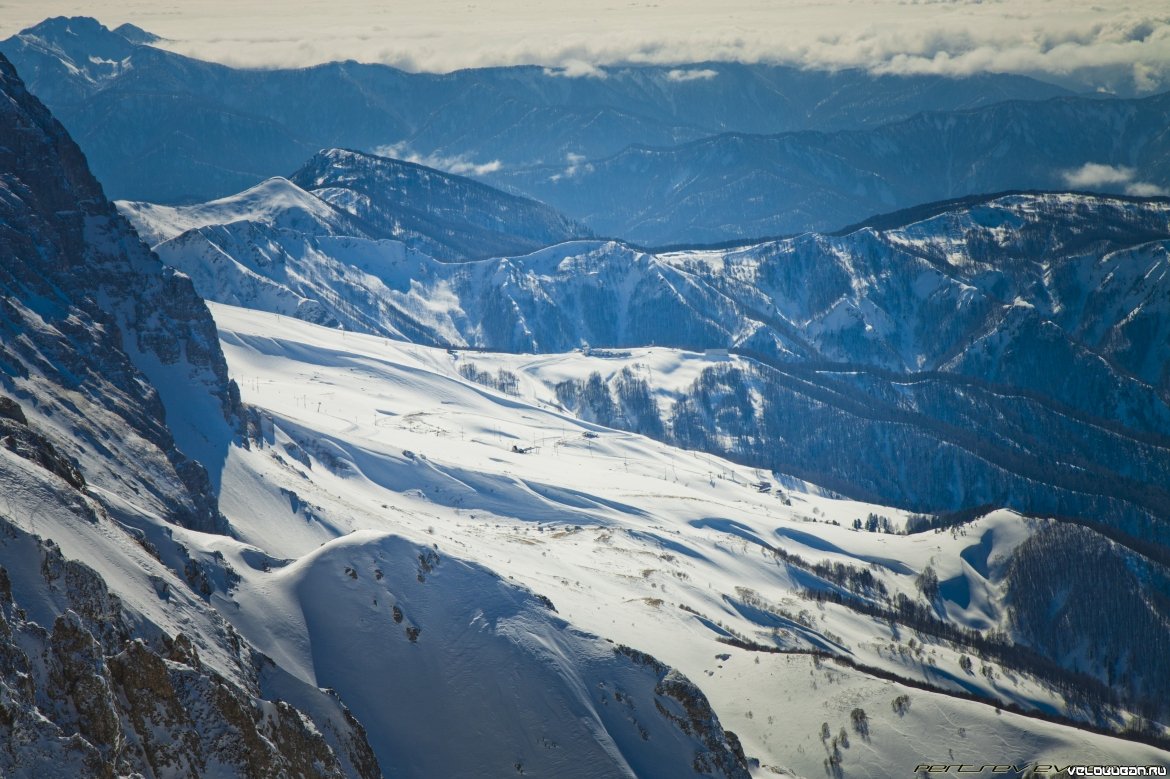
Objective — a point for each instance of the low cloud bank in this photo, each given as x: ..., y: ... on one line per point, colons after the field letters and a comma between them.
x: 1094, y: 176
x: 1122, y: 46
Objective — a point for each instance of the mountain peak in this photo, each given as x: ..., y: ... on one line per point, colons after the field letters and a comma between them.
x: 66, y: 25
x: 273, y: 195
x: 136, y: 34
x: 449, y: 217
x: 68, y: 49
x: 275, y: 202
x: 83, y: 32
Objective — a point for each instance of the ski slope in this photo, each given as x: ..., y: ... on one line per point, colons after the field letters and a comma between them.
x: 368, y: 450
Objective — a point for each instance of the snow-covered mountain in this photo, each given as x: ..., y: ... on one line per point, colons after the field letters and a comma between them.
x: 114, y: 662
x: 579, y: 509
x: 783, y: 613
x: 574, y: 511
x: 924, y: 353
x: 140, y: 637
x: 447, y: 217
x: 160, y: 127
x: 275, y: 203
x: 347, y: 193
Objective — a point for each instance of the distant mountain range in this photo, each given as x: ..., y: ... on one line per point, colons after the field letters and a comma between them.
x: 160, y: 127
x: 746, y: 186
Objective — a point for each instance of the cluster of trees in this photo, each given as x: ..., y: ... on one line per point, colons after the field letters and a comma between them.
x: 951, y: 449
x: 875, y: 523
x: 927, y: 583
x: 502, y: 380
x: 1098, y: 607
x: 626, y: 403
x: 859, y: 581
x: 1082, y: 690
x: 717, y: 415
x: 1094, y: 692
x: 920, y: 523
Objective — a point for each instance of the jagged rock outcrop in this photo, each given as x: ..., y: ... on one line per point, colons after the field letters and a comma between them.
x: 96, y: 333
x: 682, y: 702
x: 98, y: 342
x: 18, y: 437
x: 93, y: 696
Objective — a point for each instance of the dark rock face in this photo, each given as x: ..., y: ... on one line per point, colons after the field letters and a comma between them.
x: 33, y: 446
x: 682, y: 702
x: 88, y: 698
x: 91, y: 324
x: 18, y: 437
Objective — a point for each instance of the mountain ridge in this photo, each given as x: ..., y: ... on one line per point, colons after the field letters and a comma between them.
x: 466, y: 118
x: 736, y: 184
x: 449, y: 217
x: 816, y: 312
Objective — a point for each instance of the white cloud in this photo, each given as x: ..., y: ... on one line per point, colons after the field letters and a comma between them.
x: 1093, y: 175
x: 574, y: 165
x: 1146, y: 189
x: 458, y: 164
x: 698, y: 74
x: 576, y: 69
x: 1125, y: 43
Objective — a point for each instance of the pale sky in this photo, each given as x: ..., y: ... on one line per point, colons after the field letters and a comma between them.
x: 1102, y: 42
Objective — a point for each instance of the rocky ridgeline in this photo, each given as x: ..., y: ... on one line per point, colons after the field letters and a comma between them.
x: 98, y: 342
x: 100, y: 694
x: 688, y: 708
x: 94, y: 332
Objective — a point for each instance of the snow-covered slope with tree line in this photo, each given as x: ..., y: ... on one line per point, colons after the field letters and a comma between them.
x: 778, y: 603
x: 925, y: 356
